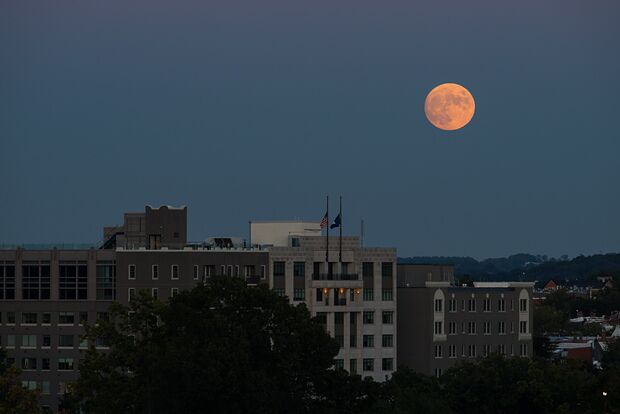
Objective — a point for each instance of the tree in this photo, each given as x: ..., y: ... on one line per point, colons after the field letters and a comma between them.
x: 225, y: 347
x: 14, y: 398
x: 411, y: 392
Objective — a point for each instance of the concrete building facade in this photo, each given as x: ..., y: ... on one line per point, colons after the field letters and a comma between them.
x: 352, y: 289
x: 441, y: 323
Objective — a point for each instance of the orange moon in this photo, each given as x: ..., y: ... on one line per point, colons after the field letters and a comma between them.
x: 449, y: 106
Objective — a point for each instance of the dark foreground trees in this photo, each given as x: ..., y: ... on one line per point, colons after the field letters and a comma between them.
x: 14, y: 398
x: 220, y: 348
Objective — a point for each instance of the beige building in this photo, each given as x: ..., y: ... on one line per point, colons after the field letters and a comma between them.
x: 352, y: 289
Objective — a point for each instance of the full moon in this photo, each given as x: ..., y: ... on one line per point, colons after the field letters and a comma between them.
x: 449, y: 106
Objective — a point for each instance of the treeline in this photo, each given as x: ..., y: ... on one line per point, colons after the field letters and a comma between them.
x: 528, y: 267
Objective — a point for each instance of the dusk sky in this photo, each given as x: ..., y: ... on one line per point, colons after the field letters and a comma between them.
x: 256, y: 110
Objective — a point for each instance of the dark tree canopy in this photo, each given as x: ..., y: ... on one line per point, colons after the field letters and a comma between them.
x: 224, y: 347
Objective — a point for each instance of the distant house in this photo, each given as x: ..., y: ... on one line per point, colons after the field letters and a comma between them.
x: 589, y: 351
x: 550, y: 285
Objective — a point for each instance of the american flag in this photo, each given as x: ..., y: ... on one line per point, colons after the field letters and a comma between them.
x: 324, y: 221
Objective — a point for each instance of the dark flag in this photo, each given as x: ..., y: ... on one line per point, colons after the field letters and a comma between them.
x: 337, y: 222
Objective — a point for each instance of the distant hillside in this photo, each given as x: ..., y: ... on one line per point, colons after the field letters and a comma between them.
x: 527, y: 266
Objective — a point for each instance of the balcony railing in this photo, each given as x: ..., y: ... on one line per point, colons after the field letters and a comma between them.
x: 335, y: 276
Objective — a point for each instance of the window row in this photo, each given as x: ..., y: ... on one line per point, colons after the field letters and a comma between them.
x: 471, y: 350
x: 368, y: 365
x: 470, y: 305
x: 471, y: 328
x: 46, y: 318
x: 44, y: 364
x: 204, y: 272
x: 299, y: 268
x: 45, y: 341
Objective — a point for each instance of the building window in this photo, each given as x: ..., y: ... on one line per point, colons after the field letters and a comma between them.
x: 353, y: 366
x: 501, y: 349
x: 523, y: 327
x: 278, y: 268
x: 73, y: 280
x: 299, y: 269
x: 486, y: 328
x: 155, y: 293
x: 387, y: 364
x: 46, y: 319
x: 319, y: 295
x: 501, y: 305
x: 471, y: 351
x: 66, y: 318
x: 523, y: 350
x: 387, y: 317
x: 210, y: 271
x: 486, y: 305
x: 45, y: 364
x: 451, y: 351
x: 472, y: 305
x: 299, y: 294
x: 10, y: 341
x: 438, y: 372
x: 452, y: 328
x: 29, y: 341
x: 501, y: 328
x: 438, y: 328
x: 7, y: 280
x: 65, y: 364
x: 36, y: 280
x: 29, y: 364
x: 174, y: 292
x: 387, y: 341
x: 174, y: 272
x: 452, y: 305
x: 368, y: 269
x: 438, y: 351
x: 387, y: 269
x: 29, y: 318
x: 65, y: 341
x: 132, y: 272
x: 155, y: 272
x: 523, y: 305
x: 368, y: 341
x: 222, y: 270
x: 131, y: 294
x: 47, y: 341
x: 279, y: 291
x: 387, y: 294
x: 368, y: 364
x: 471, y: 328
x: 368, y: 294
x: 368, y: 317
x: 486, y: 350
x: 196, y: 272
x: 263, y: 271
x: 438, y: 305
x: 106, y: 280
x: 237, y: 273
x: 338, y: 364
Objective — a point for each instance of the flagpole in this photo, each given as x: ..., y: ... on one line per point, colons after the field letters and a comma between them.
x: 340, y: 257
x: 327, y: 238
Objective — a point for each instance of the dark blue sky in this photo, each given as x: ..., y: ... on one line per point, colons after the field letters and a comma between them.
x: 258, y: 109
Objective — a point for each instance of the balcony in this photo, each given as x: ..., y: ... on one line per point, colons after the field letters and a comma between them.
x: 336, y: 280
x: 335, y: 276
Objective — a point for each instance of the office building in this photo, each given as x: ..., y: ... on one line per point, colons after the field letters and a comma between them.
x: 441, y: 323
x: 350, y: 287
